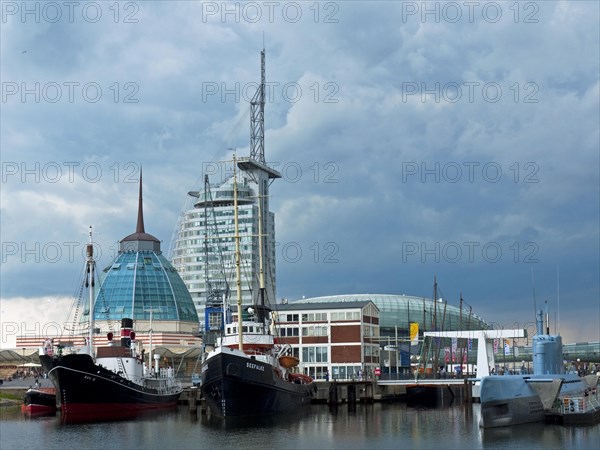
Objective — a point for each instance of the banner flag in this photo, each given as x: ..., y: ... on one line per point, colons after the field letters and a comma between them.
x: 414, y: 333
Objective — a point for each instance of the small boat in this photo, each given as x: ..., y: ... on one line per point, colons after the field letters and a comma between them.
x: 39, y: 401
x: 96, y: 383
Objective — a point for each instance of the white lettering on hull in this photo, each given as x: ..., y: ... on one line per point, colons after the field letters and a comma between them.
x: 254, y: 366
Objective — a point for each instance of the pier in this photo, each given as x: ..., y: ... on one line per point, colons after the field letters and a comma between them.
x: 340, y: 392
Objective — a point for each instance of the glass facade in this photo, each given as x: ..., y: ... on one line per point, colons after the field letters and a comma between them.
x: 137, y: 283
x: 210, y: 224
x: 397, y: 311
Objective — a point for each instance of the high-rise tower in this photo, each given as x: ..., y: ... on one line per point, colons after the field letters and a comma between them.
x: 203, y: 250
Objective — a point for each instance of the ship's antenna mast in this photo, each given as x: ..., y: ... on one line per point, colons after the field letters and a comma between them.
x: 257, y: 117
x: 90, y: 284
x: 533, y: 288
x: 256, y: 168
x: 558, y: 301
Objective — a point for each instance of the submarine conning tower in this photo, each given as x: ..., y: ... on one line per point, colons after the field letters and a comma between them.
x: 547, y: 350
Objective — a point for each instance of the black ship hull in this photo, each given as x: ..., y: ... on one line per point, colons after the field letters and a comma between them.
x: 87, y: 390
x: 238, y: 386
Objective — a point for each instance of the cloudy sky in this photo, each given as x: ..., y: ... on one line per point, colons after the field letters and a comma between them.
x: 456, y: 139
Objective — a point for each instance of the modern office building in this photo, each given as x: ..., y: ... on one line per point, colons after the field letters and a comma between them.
x: 335, y: 340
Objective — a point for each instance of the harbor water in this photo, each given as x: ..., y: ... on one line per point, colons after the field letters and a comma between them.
x: 363, y: 426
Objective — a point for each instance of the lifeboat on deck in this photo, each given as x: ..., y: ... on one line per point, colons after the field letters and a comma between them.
x: 288, y: 361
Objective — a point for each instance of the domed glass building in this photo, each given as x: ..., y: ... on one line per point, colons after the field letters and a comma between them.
x: 397, y: 311
x: 141, y: 284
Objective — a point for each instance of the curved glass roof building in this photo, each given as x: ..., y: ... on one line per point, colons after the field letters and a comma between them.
x: 400, y: 310
x: 141, y: 282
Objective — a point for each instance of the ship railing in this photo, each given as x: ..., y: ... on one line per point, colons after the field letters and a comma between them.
x: 581, y: 404
x: 164, y: 385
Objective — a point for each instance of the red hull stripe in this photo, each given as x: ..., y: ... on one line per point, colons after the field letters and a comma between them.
x: 111, y: 409
x: 37, y: 409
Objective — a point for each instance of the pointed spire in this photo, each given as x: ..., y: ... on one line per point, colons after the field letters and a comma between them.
x: 140, y: 240
x: 140, y: 219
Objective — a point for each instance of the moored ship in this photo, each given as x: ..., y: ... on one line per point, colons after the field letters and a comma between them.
x: 247, y: 373
x: 111, y: 381
x: 115, y: 382
x: 547, y: 393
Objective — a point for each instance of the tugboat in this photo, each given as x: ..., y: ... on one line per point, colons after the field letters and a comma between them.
x: 111, y: 381
x: 247, y: 374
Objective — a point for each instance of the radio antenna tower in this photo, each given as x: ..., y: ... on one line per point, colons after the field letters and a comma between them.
x: 257, y: 169
x: 257, y: 117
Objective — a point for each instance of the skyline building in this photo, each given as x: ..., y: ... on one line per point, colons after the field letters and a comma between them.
x: 204, y: 247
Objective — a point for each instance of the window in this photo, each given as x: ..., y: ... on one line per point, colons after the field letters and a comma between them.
x: 314, y: 354
x: 345, y: 315
x: 370, y: 331
x: 215, y: 320
x: 314, y: 317
x: 314, y: 331
x: 288, y: 332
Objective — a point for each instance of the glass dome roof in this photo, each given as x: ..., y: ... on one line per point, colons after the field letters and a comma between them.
x: 141, y: 282
x: 398, y: 310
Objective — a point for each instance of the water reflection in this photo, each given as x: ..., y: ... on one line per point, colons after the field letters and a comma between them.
x: 115, y: 415
x: 372, y: 426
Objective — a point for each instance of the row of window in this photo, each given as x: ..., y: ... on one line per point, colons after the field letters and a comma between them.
x: 317, y: 317
x: 306, y: 331
x: 347, y: 315
x: 288, y: 332
x: 314, y: 317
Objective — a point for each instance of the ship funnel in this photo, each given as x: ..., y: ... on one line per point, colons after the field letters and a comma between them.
x: 127, y: 333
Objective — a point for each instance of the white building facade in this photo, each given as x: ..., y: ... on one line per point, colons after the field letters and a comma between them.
x: 203, y: 251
